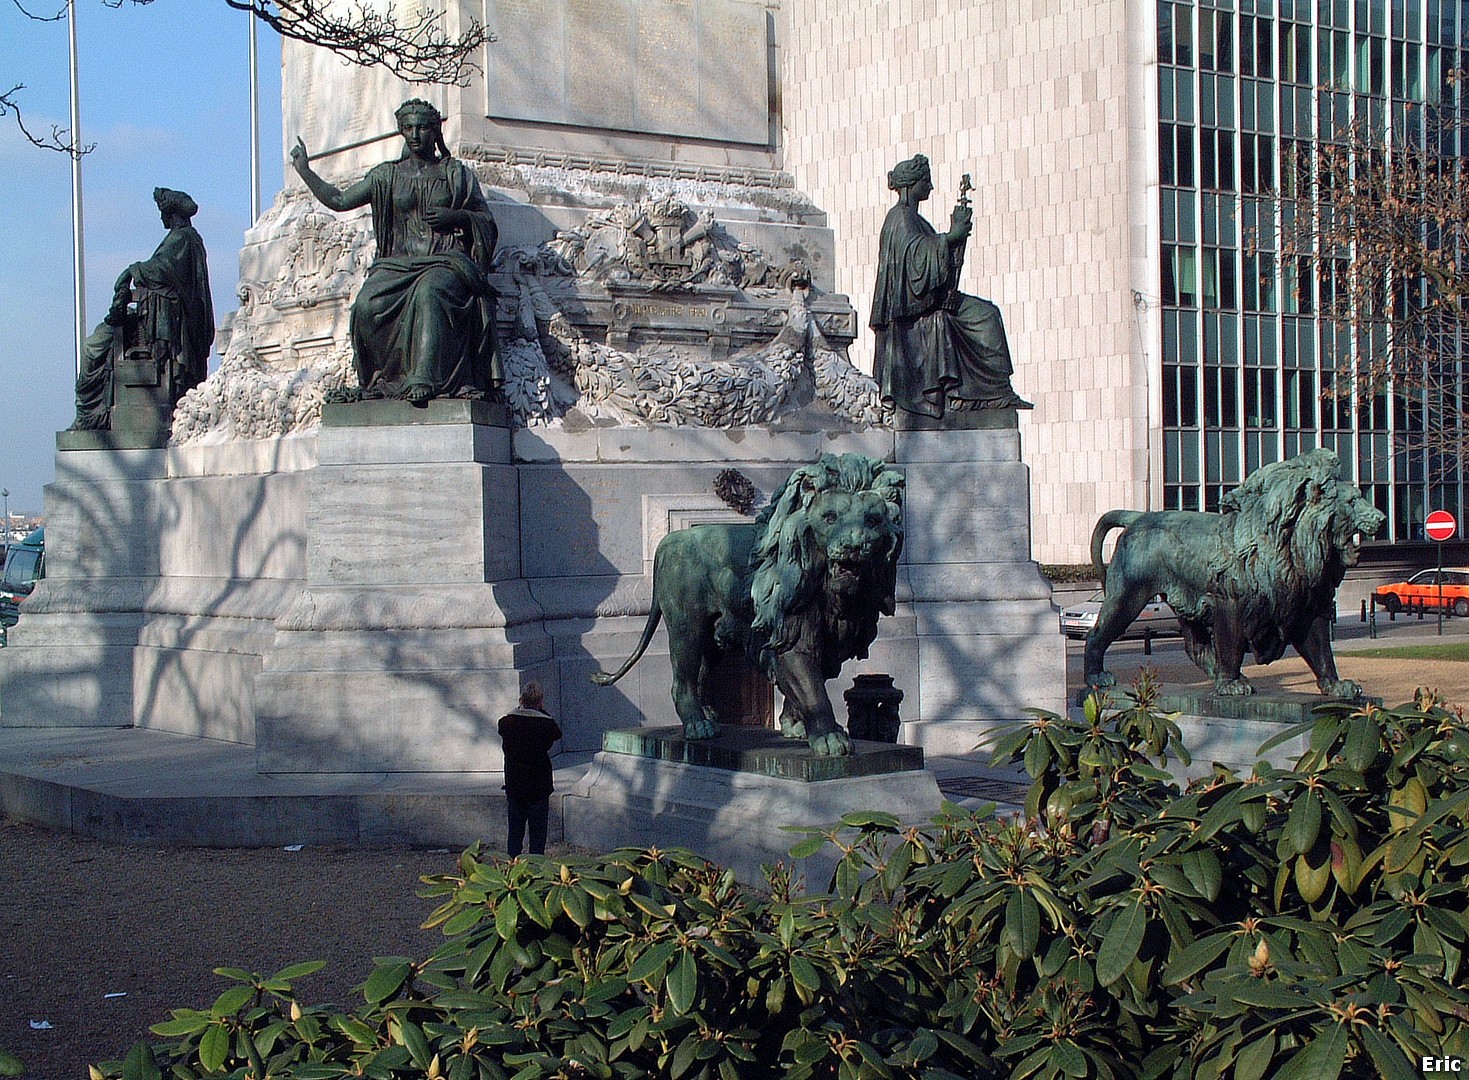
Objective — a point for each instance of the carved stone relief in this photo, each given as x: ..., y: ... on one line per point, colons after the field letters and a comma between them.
x: 649, y: 312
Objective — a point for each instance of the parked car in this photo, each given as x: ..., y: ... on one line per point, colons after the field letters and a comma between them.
x: 1078, y: 619
x: 1422, y: 591
x: 25, y: 564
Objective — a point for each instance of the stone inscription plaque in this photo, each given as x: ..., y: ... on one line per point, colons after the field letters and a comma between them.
x: 689, y: 68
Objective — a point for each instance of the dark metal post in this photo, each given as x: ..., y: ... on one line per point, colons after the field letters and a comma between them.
x: 872, y: 708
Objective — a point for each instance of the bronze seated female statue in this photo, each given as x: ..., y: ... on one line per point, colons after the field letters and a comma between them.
x: 423, y: 323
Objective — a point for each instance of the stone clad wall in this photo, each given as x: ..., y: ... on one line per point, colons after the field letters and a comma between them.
x: 369, y: 598
x: 1040, y: 101
x: 166, y: 571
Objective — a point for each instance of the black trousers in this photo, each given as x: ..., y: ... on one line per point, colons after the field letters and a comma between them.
x: 531, y: 813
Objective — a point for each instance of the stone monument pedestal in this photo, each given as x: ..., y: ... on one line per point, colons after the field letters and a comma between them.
x: 731, y: 797
x: 983, y: 644
x: 414, y: 628
x: 1230, y: 730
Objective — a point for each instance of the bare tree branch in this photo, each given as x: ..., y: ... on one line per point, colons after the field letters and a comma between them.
x: 60, y: 137
x: 61, y: 14
x: 1379, y: 229
x: 420, y: 51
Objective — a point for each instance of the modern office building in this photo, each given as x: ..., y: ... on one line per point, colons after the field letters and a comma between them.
x: 1125, y: 155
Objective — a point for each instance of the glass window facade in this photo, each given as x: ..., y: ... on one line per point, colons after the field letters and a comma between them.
x: 1249, y: 373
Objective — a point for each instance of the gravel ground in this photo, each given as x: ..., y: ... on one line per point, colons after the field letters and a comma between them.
x: 83, y: 920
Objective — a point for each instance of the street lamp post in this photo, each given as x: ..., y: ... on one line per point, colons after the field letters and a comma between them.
x: 5, y: 494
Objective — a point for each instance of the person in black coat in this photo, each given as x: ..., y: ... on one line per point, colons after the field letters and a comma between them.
x: 528, y: 733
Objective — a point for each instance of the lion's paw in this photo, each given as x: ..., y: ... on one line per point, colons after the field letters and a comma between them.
x: 834, y: 743
x: 1239, y: 687
x: 1342, y: 689
x: 706, y: 727
x: 1100, y: 680
x: 791, y: 725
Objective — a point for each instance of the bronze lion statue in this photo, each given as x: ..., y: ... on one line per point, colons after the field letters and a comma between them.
x: 798, y: 591
x: 1258, y: 576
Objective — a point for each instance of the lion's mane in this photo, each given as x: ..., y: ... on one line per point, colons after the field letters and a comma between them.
x: 1291, y: 523
x: 788, y: 586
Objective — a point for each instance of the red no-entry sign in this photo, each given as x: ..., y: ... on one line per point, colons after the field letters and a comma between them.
x: 1440, y: 525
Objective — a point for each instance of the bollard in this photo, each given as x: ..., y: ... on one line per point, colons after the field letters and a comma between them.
x: 872, y: 708
x: 1363, y: 617
x: 1148, y: 641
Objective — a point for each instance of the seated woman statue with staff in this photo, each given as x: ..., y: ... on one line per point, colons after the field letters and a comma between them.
x: 423, y: 323
x: 941, y: 354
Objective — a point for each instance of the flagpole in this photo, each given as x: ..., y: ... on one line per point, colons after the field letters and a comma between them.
x: 78, y: 244
x: 254, y: 128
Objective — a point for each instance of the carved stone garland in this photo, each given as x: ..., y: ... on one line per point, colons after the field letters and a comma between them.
x: 550, y: 366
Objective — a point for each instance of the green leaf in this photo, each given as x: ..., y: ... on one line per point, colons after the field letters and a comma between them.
x: 188, y: 1023
x: 140, y: 1064
x: 578, y: 907
x: 1201, y: 867
x: 1391, y: 1062
x: 1023, y: 923
x: 1196, y: 957
x: 1362, y: 742
x: 507, y: 917
x: 804, y: 974
x: 1393, y: 924
x: 416, y: 1042
x: 1124, y: 938
x: 1067, y: 1056
x: 683, y: 983
x: 1008, y: 743
x: 1251, y: 1062
x: 1303, y: 822
x: 385, y: 981
x: 651, y: 963
x: 683, y: 1057
x: 1269, y: 995
x: 808, y: 847
x: 1037, y: 756
x: 231, y: 1001
x: 1284, y: 736
x: 860, y: 818
x: 462, y: 921
x: 214, y: 1047
x: 10, y: 1065
x: 1322, y: 1059
x: 1224, y: 812
x: 298, y: 971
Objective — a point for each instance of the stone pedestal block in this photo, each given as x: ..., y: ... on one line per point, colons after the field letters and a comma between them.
x: 415, y: 628
x: 735, y: 808
x: 984, y: 643
x: 166, y: 569
x: 1231, y: 730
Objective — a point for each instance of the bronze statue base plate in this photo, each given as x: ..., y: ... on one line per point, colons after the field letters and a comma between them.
x: 384, y: 412
x: 957, y: 420
x: 763, y: 751
x: 1276, y: 706
x: 94, y: 439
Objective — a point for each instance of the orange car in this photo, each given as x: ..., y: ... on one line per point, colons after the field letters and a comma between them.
x: 1422, y: 591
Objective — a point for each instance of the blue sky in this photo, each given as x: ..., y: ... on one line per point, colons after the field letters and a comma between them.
x: 165, y: 97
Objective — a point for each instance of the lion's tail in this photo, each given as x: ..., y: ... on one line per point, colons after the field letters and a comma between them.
x: 1112, y: 519
x: 602, y: 678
